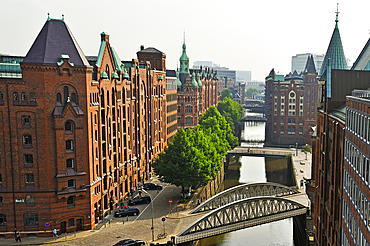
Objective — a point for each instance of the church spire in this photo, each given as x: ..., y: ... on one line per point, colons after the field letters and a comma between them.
x: 335, y: 51
x: 184, y: 59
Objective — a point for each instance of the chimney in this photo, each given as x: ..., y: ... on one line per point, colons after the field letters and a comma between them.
x: 141, y: 47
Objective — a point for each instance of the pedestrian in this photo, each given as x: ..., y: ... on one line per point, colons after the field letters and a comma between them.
x: 18, y: 238
x: 139, y: 193
x: 139, y: 184
x: 55, y: 233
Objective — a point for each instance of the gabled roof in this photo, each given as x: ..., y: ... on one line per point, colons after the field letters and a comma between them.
x: 55, y: 39
x: 335, y: 52
x: 310, y: 65
x: 363, y: 59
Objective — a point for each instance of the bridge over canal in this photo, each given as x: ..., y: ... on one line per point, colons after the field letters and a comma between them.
x: 260, y: 151
x: 241, y: 207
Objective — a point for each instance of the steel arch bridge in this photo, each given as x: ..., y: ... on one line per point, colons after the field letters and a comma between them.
x: 244, y: 191
x: 242, y: 214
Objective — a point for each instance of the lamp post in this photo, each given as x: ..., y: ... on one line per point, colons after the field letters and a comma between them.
x: 152, y: 214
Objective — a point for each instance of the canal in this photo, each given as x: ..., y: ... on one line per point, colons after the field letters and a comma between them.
x: 247, y: 169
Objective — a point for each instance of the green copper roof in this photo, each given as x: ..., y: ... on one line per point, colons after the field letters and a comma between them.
x: 115, y: 75
x: 103, y: 75
x: 125, y: 75
x: 184, y: 60
x: 177, y: 78
x: 101, y: 52
x: 310, y: 65
x: 116, y: 59
x: 193, y: 81
x: 199, y: 81
x: 335, y: 52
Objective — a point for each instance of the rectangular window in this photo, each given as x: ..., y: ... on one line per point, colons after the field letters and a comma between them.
x: 1, y: 179
x: 70, y: 163
x: 69, y: 145
x: 30, y: 200
x: 26, y: 120
x: 71, y: 222
x: 29, y: 178
x: 28, y: 160
x: 71, y: 202
x: 31, y: 219
x: 71, y: 183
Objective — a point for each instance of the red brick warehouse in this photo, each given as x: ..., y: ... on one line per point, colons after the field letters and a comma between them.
x: 77, y: 133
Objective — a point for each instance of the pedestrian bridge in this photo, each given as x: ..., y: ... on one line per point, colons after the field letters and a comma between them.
x: 244, y: 206
x: 256, y: 151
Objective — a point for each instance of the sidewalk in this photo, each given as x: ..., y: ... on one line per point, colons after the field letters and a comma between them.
x: 67, y: 238
x: 302, y: 168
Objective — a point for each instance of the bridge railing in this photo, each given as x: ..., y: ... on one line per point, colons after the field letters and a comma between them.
x: 259, y: 151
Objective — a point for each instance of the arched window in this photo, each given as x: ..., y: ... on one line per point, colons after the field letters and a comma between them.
x: 108, y: 98
x: 113, y: 95
x: 102, y: 98
x: 68, y: 127
x: 32, y: 97
x: 107, y: 71
x: 65, y: 93
x: 31, y: 219
x: 73, y: 97
x: 2, y: 218
x: 24, y: 96
x: 27, y: 139
x: 15, y: 96
x: 59, y: 97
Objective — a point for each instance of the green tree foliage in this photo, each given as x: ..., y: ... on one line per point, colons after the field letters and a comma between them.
x: 216, y: 123
x: 188, y: 159
x: 232, y: 111
x: 226, y: 93
x: 251, y: 92
x: 306, y: 149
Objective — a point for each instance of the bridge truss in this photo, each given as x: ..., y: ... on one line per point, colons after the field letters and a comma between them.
x: 239, y: 215
x: 242, y: 192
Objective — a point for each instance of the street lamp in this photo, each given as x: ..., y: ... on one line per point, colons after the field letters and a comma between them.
x: 152, y: 214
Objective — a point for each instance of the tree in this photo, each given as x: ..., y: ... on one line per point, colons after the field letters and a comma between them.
x: 184, y: 162
x: 232, y: 111
x: 306, y: 149
x: 251, y: 92
x: 226, y: 93
x: 213, y: 120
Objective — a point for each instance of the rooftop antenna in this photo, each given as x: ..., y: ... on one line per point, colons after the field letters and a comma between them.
x: 48, y: 16
x: 62, y: 17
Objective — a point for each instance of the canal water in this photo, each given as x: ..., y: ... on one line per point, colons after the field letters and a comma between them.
x: 248, y: 169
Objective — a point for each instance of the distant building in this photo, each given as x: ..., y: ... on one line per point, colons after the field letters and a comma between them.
x: 242, y: 76
x: 299, y: 61
x: 291, y: 103
x: 196, y: 91
x: 222, y: 72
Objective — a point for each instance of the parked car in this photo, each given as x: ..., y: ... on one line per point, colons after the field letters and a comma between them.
x: 152, y: 186
x: 140, y: 200
x: 126, y: 212
x: 130, y: 242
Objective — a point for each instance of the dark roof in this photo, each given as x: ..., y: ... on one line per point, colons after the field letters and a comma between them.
x: 170, y: 73
x: 310, y: 65
x: 150, y: 50
x: 55, y: 39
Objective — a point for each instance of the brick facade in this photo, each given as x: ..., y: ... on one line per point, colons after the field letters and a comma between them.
x: 78, y: 134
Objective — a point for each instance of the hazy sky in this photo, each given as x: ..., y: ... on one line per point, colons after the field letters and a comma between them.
x: 242, y: 35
